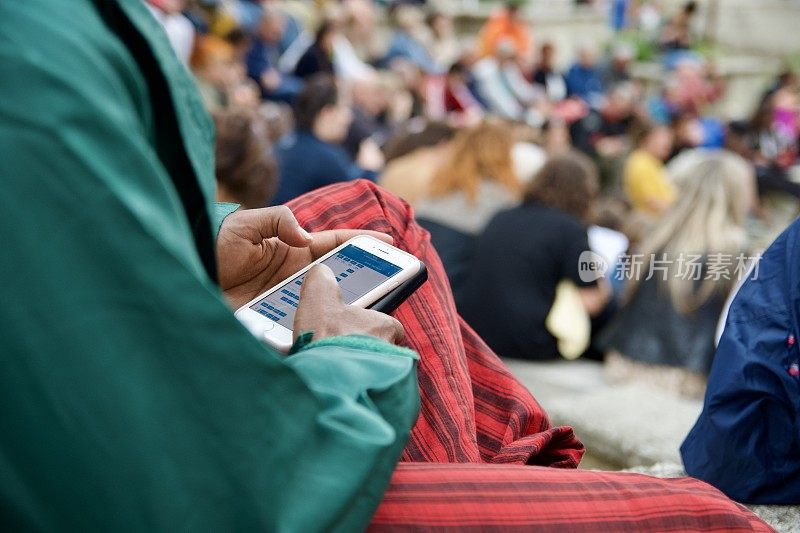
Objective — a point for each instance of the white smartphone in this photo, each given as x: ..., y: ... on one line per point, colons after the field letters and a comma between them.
x: 365, y: 268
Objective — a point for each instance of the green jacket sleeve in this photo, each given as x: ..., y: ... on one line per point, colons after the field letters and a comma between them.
x: 130, y: 397
x: 221, y: 211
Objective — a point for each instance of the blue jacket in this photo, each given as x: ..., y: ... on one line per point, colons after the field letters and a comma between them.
x: 585, y: 83
x: 306, y: 163
x: 404, y: 46
x: 262, y: 57
x: 747, y: 439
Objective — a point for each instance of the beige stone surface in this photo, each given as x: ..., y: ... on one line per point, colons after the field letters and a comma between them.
x: 627, y: 427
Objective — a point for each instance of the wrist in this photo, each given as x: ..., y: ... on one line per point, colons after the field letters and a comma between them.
x: 356, y: 341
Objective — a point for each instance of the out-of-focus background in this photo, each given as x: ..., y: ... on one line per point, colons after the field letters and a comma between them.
x: 661, y: 135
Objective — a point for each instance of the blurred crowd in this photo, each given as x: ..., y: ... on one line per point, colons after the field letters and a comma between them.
x: 516, y: 166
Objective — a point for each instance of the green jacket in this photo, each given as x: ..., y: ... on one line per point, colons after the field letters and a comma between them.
x: 130, y: 397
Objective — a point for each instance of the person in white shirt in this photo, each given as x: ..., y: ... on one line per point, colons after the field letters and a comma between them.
x: 179, y: 29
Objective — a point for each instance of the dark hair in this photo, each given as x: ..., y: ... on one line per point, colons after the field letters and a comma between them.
x: 244, y: 161
x: 641, y: 129
x: 762, y: 116
x: 320, y: 91
x: 327, y: 26
x: 567, y: 182
x: 457, y: 68
x: 513, y: 5
x: 785, y: 77
x: 611, y: 211
x: 690, y: 7
x: 432, y: 16
x: 409, y: 140
x: 237, y: 37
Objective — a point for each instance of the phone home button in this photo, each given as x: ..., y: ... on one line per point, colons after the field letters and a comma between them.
x: 268, y: 325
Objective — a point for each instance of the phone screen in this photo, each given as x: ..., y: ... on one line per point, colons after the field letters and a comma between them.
x: 357, y: 272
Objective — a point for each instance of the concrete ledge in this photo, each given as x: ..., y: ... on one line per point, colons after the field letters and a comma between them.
x: 621, y: 426
x: 630, y: 427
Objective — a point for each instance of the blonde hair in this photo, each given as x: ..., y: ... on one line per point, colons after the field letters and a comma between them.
x: 481, y: 153
x: 715, y: 192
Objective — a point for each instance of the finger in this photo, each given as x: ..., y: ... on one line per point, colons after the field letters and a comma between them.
x: 325, y: 241
x: 319, y: 288
x: 279, y: 221
x: 319, y: 298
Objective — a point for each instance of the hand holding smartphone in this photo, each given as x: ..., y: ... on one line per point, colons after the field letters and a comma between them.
x: 366, y: 270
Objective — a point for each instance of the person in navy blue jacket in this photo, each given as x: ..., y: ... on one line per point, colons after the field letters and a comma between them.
x: 747, y: 439
x: 584, y: 78
x: 312, y: 156
x: 275, y: 32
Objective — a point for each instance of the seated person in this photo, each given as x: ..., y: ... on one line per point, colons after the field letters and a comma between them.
x: 412, y: 158
x: 502, y: 85
x: 319, y: 56
x: 547, y: 76
x: 312, y: 156
x: 372, y: 99
x: 604, y: 133
x: 475, y: 181
x: 677, y: 34
x: 450, y: 97
x: 408, y: 40
x: 646, y: 183
x: 584, y: 77
x: 616, y: 69
x: 507, y: 22
x: 221, y: 79
x: 264, y: 56
x: 244, y: 163
x: 680, y: 278
x: 771, y: 138
x: 697, y: 85
x: 522, y: 256
x: 132, y: 399
x: 444, y: 44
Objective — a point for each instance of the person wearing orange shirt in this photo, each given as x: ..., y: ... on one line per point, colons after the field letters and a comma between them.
x: 506, y: 24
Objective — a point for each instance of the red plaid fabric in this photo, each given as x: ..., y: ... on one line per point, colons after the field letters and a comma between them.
x: 473, y: 410
x: 513, y: 498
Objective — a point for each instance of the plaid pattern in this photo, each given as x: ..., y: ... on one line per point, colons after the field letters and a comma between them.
x: 512, y: 498
x: 474, y: 411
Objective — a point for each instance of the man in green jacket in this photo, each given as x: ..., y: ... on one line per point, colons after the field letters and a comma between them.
x: 130, y: 397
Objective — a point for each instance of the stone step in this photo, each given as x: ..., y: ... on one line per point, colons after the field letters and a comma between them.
x: 625, y: 426
x: 622, y: 425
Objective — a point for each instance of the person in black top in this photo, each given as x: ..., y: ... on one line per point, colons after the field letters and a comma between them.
x: 547, y: 76
x: 524, y: 253
x: 319, y: 56
x: 603, y: 133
